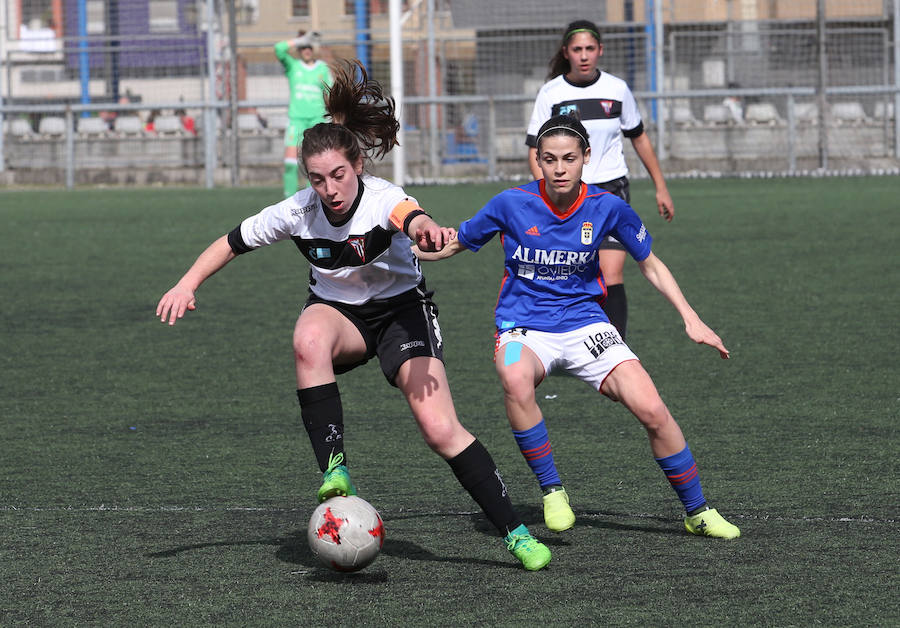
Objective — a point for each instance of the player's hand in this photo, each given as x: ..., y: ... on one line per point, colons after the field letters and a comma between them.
x: 664, y: 204
x: 700, y: 333
x: 433, y: 237
x: 175, y: 303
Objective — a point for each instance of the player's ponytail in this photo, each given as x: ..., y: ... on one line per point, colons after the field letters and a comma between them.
x: 559, y: 64
x: 363, y: 122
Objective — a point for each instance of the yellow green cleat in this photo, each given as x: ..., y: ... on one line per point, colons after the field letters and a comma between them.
x: 711, y: 523
x: 531, y: 553
x: 558, y: 514
x: 336, y: 479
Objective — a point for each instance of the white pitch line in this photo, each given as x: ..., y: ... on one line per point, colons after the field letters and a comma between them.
x: 418, y: 513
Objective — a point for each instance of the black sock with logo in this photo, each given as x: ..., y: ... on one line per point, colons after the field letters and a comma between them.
x: 476, y: 471
x: 323, y: 417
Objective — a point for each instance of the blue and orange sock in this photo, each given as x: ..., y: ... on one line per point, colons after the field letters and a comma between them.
x: 534, y: 444
x: 681, y: 471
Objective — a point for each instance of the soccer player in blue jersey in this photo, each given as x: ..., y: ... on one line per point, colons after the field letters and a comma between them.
x: 605, y: 105
x: 549, y: 315
x: 367, y: 298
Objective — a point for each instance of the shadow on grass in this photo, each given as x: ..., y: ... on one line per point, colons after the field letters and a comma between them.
x: 294, y: 549
x: 614, y: 521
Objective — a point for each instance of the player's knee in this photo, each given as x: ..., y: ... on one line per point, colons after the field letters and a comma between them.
x: 655, y: 416
x: 518, y: 385
x: 438, y: 431
x: 311, y: 347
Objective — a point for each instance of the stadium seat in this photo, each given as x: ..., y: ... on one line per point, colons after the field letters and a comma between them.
x: 91, y: 126
x: 762, y: 113
x: 716, y: 114
x: 278, y: 122
x: 168, y: 125
x: 681, y: 114
x: 129, y: 125
x: 845, y: 112
x: 884, y: 110
x: 20, y: 127
x: 806, y: 111
x: 52, y: 125
x: 248, y: 123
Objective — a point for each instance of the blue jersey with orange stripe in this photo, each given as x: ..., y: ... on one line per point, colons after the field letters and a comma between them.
x: 552, y: 279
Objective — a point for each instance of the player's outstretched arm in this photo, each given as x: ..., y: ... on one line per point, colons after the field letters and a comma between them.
x: 662, y: 279
x: 180, y: 298
x: 427, y: 234
x: 450, y: 249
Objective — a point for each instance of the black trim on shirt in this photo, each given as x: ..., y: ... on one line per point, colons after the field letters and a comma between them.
x: 345, y: 218
x: 356, y: 250
x: 589, y: 108
x: 635, y: 132
x: 236, y: 242
x: 582, y: 83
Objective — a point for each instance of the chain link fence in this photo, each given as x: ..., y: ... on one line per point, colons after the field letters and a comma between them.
x: 190, y: 92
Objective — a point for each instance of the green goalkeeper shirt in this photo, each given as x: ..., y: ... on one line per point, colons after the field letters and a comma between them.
x: 306, y: 83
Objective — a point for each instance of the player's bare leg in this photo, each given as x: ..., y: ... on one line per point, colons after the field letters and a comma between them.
x: 520, y: 372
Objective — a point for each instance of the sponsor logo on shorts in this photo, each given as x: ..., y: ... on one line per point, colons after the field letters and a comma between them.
x: 601, y: 341
x: 406, y: 346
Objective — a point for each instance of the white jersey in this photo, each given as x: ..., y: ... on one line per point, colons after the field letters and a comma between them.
x: 367, y: 256
x: 606, y: 108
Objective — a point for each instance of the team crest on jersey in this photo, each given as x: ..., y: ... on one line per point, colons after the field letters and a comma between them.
x: 587, y: 232
x: 569, y: 110
x: 607, y: 106
x: 359, y: 245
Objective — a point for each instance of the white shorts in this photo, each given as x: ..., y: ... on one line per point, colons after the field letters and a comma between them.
x: 589, y: 353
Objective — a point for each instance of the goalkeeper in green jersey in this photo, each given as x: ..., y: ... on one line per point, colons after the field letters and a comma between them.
x: 307, y: 79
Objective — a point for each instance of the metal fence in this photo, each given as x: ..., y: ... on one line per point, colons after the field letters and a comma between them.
x: 804, y: 93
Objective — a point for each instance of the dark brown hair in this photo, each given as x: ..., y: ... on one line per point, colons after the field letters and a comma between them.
x: 559, y: 64
x: 363, y: 121
x: 564, y: 125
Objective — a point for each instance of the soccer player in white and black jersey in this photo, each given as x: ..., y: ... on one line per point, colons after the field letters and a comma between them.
x: 367, y: 298
x: 606, y: 107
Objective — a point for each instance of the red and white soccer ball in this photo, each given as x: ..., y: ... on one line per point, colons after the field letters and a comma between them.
x: 346, y: 533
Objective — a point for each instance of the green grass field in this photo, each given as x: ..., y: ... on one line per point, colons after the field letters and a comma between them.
x: 161, y: 476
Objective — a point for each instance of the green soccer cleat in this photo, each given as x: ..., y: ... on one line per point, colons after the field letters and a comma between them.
x: 336, y: 480
x: 711, y: 523
x: 558, y: 514
x: 532, y: 553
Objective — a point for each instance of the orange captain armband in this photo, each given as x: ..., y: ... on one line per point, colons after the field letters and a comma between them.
x: 403, y: 213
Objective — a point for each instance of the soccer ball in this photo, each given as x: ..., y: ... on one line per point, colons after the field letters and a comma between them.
x: 346, y: 533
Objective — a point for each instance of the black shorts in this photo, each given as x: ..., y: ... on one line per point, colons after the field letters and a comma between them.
x: 620, y: 188
x: 394, y: 329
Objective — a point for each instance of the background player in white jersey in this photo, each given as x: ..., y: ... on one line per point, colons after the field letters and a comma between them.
x: 549, y: 318
x: 308, y: 77
x: 606, y: 107
x: 367, y: 298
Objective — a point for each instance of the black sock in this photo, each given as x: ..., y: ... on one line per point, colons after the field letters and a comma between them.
x: 476, y: 471
x: 323, y: 417
x: 616, y: 307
